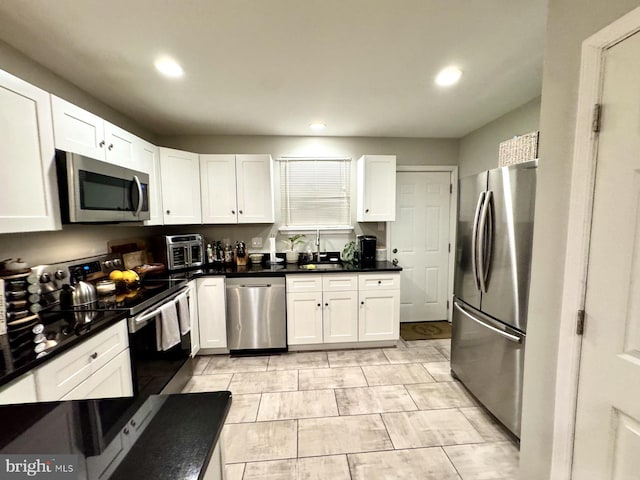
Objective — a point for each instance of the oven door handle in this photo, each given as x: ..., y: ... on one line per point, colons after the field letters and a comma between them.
x: 143, y: 317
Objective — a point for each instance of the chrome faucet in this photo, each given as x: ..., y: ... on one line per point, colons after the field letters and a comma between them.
x: 317, y: 245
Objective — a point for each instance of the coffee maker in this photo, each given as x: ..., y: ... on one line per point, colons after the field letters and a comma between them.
x: 367, y: 247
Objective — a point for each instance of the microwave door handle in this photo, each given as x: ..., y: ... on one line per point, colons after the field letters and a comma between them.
x: 140, y: 202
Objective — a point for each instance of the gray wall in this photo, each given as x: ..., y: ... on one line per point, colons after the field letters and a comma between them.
x: 569, y: 23
x: 479, y: 149
x: 14, y: 62
x: 409, y: 151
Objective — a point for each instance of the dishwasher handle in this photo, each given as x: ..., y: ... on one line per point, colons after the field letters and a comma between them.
x: 268, y: 285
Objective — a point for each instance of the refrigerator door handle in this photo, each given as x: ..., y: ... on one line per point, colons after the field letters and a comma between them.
x: 485, y: 230
x: 502, y: 333
x: 474, y: 240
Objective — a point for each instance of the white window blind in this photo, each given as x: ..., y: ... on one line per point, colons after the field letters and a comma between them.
x: 316, y: 191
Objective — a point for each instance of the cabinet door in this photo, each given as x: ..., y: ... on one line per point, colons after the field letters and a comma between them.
x: 29, y: 193
x: 21, y: 390
x: 120, y: 147
x: 379, y: 315
x: 193, y: 317
x: 149, y: 158
x: 62, y: 374
x: 376, y: 199
x: 112, y: 380
x: 254, y: 184
x: 180, y: 173
x: 340, y: 317
x: 212, y: 319
x: 218, y: 177
x: 76, y: 130
x: 304, y: 318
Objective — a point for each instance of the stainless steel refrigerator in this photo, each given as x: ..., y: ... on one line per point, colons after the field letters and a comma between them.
x: 491, y: 288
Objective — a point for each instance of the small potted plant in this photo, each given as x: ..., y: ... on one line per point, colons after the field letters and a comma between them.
x: 292, y: 254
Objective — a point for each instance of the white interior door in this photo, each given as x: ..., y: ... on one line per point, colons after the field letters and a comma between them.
x: 607, y: 437
x: 420, y: 235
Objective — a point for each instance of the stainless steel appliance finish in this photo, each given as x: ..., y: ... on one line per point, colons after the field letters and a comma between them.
x: 256, y: 316
x: 95, y: 191
x: 179, y: 251
x: 491, y: 287
x: 487, y: 356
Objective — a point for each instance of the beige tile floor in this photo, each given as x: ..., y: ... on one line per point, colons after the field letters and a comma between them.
x: 392, y: 413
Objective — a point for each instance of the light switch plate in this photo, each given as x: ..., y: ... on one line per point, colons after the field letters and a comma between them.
x: 256, y: 242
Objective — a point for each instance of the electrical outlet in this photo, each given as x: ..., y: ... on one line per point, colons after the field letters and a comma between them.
x: 256, y: 242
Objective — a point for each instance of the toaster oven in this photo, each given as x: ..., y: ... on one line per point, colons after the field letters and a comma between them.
x: 179, y: 251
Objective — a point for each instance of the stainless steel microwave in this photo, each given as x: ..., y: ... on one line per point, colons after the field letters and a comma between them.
x: 95, y: 191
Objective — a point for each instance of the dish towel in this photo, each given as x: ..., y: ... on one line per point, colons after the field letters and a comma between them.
x: 167, y: 329
x: 183, y: 313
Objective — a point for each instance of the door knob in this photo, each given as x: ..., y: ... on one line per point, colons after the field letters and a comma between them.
x: 395, y: 262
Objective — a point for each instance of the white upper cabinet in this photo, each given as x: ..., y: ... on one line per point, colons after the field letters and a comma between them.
x: 120, y: 148
x: 29, y: 193
x: 218, y: 176
x: 77, y: 130
x: 237, y: 188
x: 376, y: 188
x: 254, y: 187
x: 180, y: 174
x: 148, y: 156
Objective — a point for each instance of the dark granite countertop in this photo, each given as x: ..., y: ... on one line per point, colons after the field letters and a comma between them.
x: 179, y: 435
x: 266, y: 270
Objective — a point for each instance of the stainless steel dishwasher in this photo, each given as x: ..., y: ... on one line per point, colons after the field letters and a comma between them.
x: 256, y: 313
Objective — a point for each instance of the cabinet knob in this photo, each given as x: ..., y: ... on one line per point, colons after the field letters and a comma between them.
x: 395, y: 250
x: 110, y: 147
x: 319, y: 305
x: 366, y: 211
x: 101, y: 144
x: 326, y: 304
x: 126, y: 431
x: 379, y: 282
x: 240, y: 212
x: 133, y: 423
x: 233, y: 212
x: 168, y: 212
x: 94, y: 355
x: 362, y: 302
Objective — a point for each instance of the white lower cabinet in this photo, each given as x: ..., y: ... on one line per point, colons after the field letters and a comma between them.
x: 21, y: 390
x: 304, y: 318
x: 61, y: 375
x: 193, y: 317
x: 212, y: 318
x: 322, y: 309
x: 342, y: 308
x: 379, y: 315
x: 112, y: 380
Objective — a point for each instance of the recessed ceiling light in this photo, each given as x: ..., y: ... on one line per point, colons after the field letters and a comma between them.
x: 317, y: 126
x: 448, y: 76
x: 169, y: 67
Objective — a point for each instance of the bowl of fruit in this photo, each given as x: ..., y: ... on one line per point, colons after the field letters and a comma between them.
x: 125, y: 279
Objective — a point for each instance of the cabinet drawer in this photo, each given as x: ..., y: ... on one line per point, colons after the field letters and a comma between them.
x: 304, y: 283
x: 62, y: 374
x: 379, y: 281
x: 339, y: 283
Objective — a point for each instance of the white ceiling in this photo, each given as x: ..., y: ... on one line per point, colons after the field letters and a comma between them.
x: 271, y: 67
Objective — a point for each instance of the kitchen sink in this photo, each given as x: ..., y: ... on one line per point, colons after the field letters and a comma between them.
x: 322, y: 266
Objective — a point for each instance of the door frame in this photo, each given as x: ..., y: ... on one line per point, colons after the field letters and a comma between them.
x: 578, y: 237
x: 453, y: 216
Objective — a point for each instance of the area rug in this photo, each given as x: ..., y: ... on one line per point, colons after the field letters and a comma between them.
x: 425, y: 330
